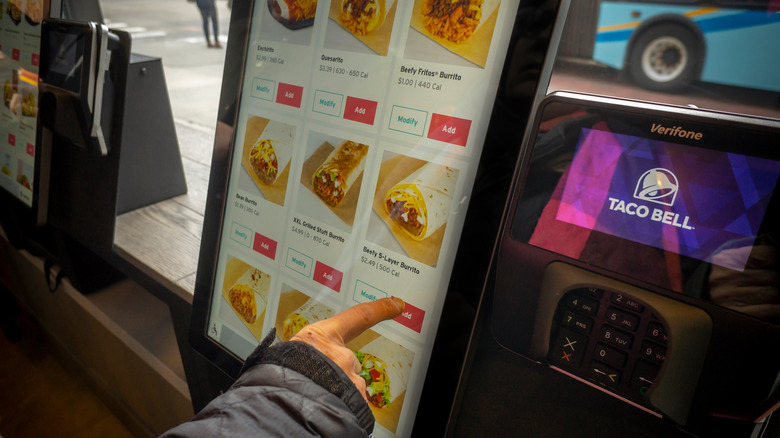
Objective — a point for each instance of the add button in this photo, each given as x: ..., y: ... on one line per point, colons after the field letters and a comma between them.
x: 265, y: 246
x: 299, y: 262
x: 408, y: 120
x: 411, y: 318
x: 365, y: 293
x: 289, y: 95
x: 327, y: 276
x: 449, y: 129
x: 360, y: 110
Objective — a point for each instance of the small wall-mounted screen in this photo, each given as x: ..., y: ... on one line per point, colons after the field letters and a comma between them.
x: 67, y: 58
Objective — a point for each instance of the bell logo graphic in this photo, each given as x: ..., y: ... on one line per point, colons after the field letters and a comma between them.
x: 657, y: 185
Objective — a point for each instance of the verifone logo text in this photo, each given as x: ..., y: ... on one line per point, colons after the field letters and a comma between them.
x: 675, y: 131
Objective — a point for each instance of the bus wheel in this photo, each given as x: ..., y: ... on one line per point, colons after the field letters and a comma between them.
x: 665, y: 58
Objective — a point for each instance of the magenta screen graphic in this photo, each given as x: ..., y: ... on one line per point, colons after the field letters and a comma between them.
x: 683, y: 199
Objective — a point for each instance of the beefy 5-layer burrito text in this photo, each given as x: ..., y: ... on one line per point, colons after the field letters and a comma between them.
x: 335, y: 176
x: 268, y: 159
x: 453, y: 20
x: 420, y: 203
x: 362, y: 16
x: 296, y: 10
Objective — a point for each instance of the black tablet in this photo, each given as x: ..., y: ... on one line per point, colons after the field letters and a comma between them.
x: 346, y: 154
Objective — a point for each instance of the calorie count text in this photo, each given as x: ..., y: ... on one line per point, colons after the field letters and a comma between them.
x: 343, y: 71
x: 242, y: 204
x: 414, y: 83
x: 270, y: 59
x: 308, y: 235
x: 380, y: 266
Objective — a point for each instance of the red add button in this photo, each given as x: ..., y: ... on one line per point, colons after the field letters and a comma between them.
x: 328, y: 276
x: 30, y: 149
x: 449, y: 129
x: 265, y: 246
x: 411, y: 318
x: 287, y: 94
x: 360, y: 110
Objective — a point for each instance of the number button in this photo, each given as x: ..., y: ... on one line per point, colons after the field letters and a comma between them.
x: 622, y: 319
x: 583, y: 305
x: 610, y: 356
x: 656, y: 331
x: 577, y: 322
x: 627, y: 302
x: 653, y: 352
x: 615, y: 338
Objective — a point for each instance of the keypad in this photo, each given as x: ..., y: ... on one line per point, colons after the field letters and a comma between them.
x: 609, y: 338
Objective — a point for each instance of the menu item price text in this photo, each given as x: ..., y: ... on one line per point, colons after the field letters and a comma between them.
x: 414, y: 83
x: 316, y: 233
x: 270, y: 59
x: 246, y: 204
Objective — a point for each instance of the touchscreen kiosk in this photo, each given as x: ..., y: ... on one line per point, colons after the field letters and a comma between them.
x: 75, y: 57
x: 22, y: 166
x: 347, y: 179
x: 640, y: 256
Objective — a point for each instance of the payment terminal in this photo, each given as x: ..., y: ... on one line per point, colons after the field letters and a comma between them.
x: 639, y: 258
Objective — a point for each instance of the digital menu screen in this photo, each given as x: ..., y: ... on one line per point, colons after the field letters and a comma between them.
x: 20, y: 41
x: 359, y: 132
x: 683, y: 199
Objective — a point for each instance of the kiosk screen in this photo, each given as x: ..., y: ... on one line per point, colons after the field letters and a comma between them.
x: 20, y: 41
x: 355, y: 149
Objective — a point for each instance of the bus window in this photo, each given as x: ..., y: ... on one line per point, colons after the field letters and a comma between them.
x: 665, y: 46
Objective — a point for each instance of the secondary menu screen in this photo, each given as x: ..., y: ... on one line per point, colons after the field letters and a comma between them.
x: 20, y: 42
x: 360, y: 127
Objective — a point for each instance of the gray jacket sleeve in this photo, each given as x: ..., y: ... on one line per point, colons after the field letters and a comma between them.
x: 289, y: 389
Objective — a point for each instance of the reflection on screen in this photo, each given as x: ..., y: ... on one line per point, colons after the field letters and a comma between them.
x: 682, y: 199
x: 66, y: 61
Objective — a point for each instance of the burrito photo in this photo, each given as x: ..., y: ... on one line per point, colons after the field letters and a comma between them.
x: 420, y: 203
x: 456, y: 20
x: 245, y: 297
x: 385, y: 367
x: 362, y: 16
x: 268, y: 158
x: 338, y: 172
x: 310, y: 312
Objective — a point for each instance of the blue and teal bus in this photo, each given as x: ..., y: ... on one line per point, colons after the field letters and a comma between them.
x: 665, y: 45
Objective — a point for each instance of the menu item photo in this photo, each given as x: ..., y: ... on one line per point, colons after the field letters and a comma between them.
x: 385, y: 366
x: 464, y: 27
x: 245, y: 289
x: 338, y: 173
x: 266, y: 156
x: 334, y: 176
x: 370, y: 21
x: 293, y: 14
x: 305, y: 311
x: 413, y: 198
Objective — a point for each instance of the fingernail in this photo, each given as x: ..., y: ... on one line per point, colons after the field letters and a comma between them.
x: 399, y: 303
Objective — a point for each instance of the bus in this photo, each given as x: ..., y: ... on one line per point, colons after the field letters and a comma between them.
x: 667, y: 45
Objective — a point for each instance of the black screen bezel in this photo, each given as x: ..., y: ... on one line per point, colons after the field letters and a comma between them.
x: 227, y: 121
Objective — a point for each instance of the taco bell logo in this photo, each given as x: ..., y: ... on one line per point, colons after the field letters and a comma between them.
x: 657, y: 185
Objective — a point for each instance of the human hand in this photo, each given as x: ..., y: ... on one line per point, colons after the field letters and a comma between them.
x: 753, y: 290
x: 331, y: 335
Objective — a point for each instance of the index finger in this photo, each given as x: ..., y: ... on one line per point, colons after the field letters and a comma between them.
x: 350, y: 323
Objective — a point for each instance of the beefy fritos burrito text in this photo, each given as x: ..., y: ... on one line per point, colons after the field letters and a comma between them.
x: 337, y: 174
